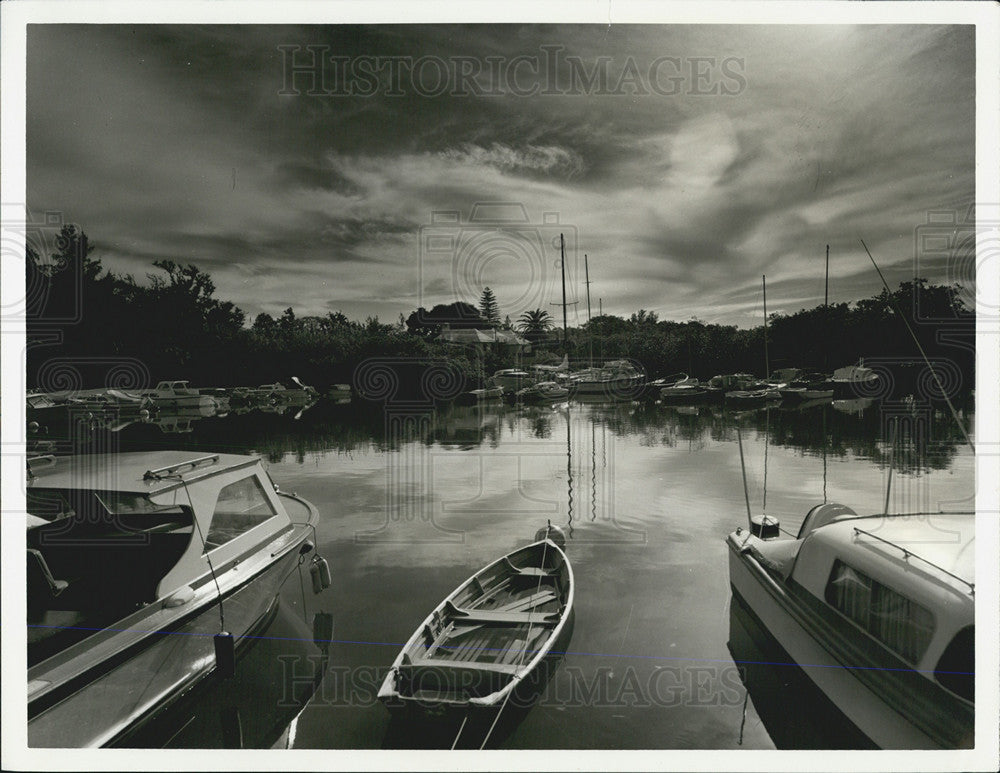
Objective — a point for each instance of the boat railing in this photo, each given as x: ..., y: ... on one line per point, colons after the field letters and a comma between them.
x: 172, y: 469
x: 907, y: 554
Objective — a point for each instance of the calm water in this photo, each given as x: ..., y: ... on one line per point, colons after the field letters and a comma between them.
x: 412, y: 502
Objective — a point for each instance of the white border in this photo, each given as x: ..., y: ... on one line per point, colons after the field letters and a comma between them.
x: 13, y: 18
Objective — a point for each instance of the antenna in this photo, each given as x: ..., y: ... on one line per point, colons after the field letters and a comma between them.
x: 746, y: 493
x: 892, y: 461
x: 937, y: 379
x: 767, y: 364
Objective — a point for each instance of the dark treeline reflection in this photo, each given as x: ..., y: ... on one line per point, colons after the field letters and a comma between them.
x: 924, y: 438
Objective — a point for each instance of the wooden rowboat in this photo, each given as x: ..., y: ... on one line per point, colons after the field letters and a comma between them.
x: 489, y: 634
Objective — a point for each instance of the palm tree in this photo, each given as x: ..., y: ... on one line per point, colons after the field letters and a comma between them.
x: 534, y: 324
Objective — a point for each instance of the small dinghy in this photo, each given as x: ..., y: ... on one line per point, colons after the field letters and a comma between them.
x: 489, y: 634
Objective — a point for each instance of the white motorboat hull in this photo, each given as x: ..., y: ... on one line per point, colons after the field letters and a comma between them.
x: 865, y: 708
x: 152, y: 658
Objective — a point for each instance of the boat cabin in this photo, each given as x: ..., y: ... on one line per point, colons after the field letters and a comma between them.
x: 110, y: 534
x: 904, y: 585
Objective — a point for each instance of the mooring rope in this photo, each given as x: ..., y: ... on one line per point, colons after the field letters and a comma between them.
x: 460, y: 729
x: 527, y: 638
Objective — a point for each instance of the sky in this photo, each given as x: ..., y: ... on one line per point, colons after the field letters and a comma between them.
x: 706, y: 157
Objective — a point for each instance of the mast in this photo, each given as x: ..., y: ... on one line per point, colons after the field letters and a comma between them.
x: 590, y: 332
x: 767, y: 366
x: 826, y: 286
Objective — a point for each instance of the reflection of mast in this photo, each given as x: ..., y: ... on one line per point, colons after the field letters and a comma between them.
x: 569, y: 470
x: 590, y: 331
x: 767, y: 434
x: 824, y: 450
x: 562, y: 265
x: 593, y: 470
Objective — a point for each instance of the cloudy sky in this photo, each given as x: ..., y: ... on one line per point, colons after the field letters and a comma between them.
x: 698, y: 159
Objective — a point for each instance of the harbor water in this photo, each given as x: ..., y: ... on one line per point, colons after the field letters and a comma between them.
x: 414, y: 500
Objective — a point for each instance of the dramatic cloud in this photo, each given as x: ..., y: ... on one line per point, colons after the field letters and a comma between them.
x: 684, y: 161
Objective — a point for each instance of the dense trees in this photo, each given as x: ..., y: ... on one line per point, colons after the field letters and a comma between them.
x: 173, y: 325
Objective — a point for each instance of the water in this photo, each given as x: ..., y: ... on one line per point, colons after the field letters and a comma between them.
x: 413, y: 501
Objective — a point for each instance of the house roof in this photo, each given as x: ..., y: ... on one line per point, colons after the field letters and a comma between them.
x: 488, y: 336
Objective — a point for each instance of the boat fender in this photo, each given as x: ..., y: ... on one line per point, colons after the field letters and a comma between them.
x: 225, y: 654
x: 764, y: 526
x: 319, y: 571
x: 553, y: 533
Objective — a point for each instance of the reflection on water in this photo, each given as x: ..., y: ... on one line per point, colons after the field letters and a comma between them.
x: 413, y: 502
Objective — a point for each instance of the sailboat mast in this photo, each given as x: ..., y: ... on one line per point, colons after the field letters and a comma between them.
x: 826, y: 285
x: 767, y: 366
x: 590, y: 332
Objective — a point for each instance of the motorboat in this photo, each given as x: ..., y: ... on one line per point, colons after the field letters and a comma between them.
x: 855, y: 406
x: 177, y: 394
x: 512, y: 379
x: 676, y: 385
x: 489, y: 634
x: 809, y: 386
x: 878, y: 611
x: 542, y: 392
x: 146, y: 574
x: 616, y: 379
x: 718, y: 386
x: 480, y: 395
x: 856, y: 381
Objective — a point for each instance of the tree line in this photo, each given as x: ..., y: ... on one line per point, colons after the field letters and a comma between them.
x: 85, y: 317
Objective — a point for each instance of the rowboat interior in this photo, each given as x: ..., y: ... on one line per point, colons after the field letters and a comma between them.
x: 489, y: 630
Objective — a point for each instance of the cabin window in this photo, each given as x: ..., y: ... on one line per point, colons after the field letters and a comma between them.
x: 956, y: 669
x: 900, y: 624
x: 240, y: 506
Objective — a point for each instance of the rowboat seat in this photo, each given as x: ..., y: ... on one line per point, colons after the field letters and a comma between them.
x: 535, y: 571
x: 450, y: 665
x: 490, y: 616
x: 530, y: 571
x: 532, y: 601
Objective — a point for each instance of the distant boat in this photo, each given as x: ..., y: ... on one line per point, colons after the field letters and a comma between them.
x: 547, y: 372
x: 616, y: 379
x: 488, y: 634
x: 855, y: 381
x: 752, y: 396
x: 480, y: 395
x: 543, y: 391
x: 808, y: 386
x: 132, y: 559
x: 857, y: 405
x: 683, y: 390
x: 512, y: 379
x: 718, y: 386
x: 177, y: 394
